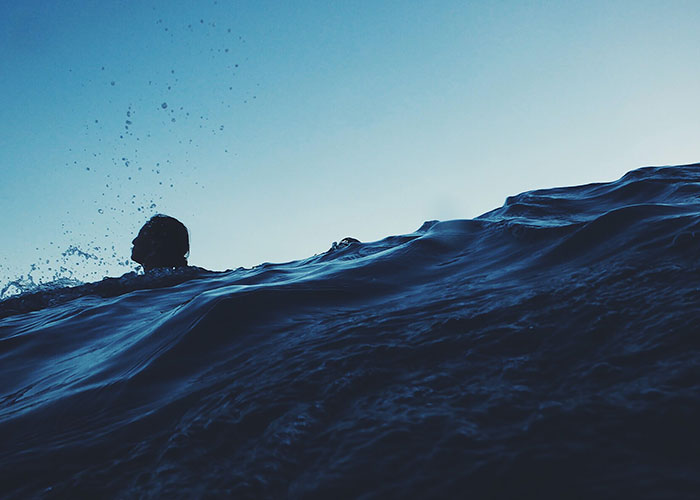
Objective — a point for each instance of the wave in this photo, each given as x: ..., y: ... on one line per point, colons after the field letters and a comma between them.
x: 545, y: 348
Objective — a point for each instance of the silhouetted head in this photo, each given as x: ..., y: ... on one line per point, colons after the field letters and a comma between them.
x: 162, y: 242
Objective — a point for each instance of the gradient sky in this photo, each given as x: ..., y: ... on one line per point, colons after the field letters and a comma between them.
x: 290, y: 125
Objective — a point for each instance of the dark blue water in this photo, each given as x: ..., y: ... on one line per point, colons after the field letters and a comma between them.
x: 549, y: 348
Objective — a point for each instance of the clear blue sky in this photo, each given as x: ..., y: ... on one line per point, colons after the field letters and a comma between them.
x: 293, y: 124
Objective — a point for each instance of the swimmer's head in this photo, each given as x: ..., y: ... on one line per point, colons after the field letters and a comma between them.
x: 162, y: 242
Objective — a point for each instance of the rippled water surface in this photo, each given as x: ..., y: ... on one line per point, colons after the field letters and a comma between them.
x: 547, y: 348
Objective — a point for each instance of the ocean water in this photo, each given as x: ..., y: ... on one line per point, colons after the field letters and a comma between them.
x: 549, y: 348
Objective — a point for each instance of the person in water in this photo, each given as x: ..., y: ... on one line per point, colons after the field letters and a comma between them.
x: 163, y: 242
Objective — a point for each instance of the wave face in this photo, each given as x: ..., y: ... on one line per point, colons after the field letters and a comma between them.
x: 547, y: 348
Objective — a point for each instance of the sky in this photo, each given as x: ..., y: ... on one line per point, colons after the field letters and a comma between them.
x: 272, y: 129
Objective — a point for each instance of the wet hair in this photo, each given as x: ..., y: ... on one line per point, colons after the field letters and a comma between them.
x: 163, y: 242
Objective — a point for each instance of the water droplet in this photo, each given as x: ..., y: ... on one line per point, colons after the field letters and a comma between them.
x: 164, y: 105
x: 112, y: 83
x: 99, y: 210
